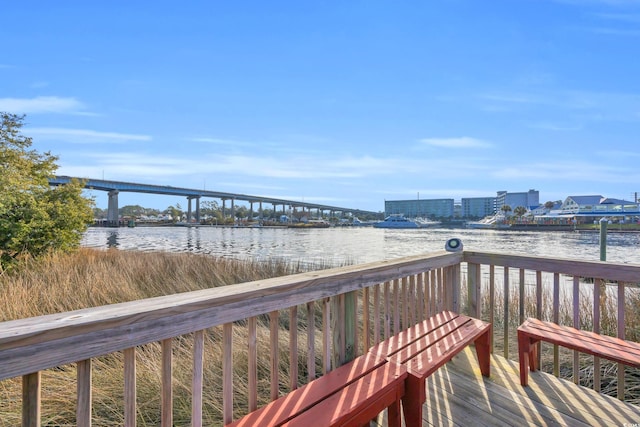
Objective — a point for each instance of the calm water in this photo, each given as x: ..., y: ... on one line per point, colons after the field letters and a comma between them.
x: 357, y: 245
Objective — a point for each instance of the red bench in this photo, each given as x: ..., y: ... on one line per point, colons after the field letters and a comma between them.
x: 426, y: 346
x: 532, y: 331
x: 350, y: 395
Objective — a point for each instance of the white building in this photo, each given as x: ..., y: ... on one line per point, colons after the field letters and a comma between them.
x: 529, y: 200
x: 597, y: 205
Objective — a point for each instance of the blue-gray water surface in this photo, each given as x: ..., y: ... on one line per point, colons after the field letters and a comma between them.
x: 340, y: 245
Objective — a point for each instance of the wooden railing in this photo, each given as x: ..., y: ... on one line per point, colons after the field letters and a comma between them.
x: 356, y: 307
x: 598, y: 296
x: 327, y: 317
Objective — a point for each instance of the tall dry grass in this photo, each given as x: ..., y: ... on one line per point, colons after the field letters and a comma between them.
x: 90, y: 278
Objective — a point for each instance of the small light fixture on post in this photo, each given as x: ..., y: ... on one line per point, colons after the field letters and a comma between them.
x: 453, y: 245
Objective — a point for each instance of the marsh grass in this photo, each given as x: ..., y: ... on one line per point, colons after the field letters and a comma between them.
x: 90, y: 278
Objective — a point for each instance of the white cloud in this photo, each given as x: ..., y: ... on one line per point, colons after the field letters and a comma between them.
x: 222, y: 141
x: 555, y: 127
x: 568, y: 171
x: 462, y: 142
x: 42, y: 104
x: 85, y: 136
x: 616, y: 32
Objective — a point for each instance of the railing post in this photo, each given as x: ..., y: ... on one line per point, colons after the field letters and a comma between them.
x: 83, y: 390
x: 454, y: 283
x: 603, y: 239
x: 473, y: 290
x: 344, y: 328
x: 31, y: 400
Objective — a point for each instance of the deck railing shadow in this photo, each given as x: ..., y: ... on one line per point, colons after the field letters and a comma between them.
x: 327, y: 317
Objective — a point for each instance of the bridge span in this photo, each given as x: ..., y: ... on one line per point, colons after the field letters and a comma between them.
x: 115, y: 187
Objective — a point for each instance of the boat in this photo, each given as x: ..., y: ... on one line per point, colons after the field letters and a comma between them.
x: 400, y: 221
x: 426, y: 222
x: 357, y: 223
x: 489, y: 222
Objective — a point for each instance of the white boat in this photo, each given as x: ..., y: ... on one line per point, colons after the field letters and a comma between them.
x: 426, y: 222
x: 400, y: 221
x: 491, y: 222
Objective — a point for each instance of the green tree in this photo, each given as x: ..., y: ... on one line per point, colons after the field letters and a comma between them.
x: 520, y: 211
x: 35, y: 218
x: 505, y: 209
x: 174, y: 211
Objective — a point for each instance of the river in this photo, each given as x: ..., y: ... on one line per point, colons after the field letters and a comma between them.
x: 341, y: 245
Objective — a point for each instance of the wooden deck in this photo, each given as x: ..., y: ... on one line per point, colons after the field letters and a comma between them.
x: 458, y: 395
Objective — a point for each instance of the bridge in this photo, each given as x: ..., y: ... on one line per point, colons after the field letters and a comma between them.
x: 115, y: 187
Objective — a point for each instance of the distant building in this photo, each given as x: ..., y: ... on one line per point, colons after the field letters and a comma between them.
x: 597, y: 205
x: 477, y: 207
x: 529, y: 200
x: 427, y: 208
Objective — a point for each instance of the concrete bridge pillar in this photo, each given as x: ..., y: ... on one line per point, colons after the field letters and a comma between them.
x: 250, y: 211
x: 189, y: 215
x: 112, y: 210
x: 233, y: 210
x: 260, y: 211
x: 224, y: 210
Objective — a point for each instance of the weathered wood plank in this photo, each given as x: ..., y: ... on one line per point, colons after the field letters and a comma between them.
x: 31, y: 389
x: 130, y: 400
x: 274, y: 327
x: 311, y: 342
x: 197, y: 380
x: 252, y: 374
x: 166, y: 395
x: 326, y: 335
x: 84, y: 393
x: 597, y: 269
x: 457, y: 395
x: 293, y: 348
x: 227, y: 373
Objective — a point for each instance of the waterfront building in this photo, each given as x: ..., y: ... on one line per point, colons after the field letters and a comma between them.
x: 427, y: 208
x: 529, y: 200
x: 598, y: 206
x: 477, y: 207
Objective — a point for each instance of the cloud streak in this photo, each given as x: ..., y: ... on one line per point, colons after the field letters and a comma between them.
x: 462, y: 142
x: 42, y: 104
x: 85, y: 136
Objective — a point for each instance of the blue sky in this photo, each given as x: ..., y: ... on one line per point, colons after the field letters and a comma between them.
x: 346, y: 103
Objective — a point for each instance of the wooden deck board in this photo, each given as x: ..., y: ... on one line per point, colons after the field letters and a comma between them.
x: 458, y: 395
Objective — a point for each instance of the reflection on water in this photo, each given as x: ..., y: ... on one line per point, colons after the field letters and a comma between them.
x: 112, y: 239
x: 357, y: 245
